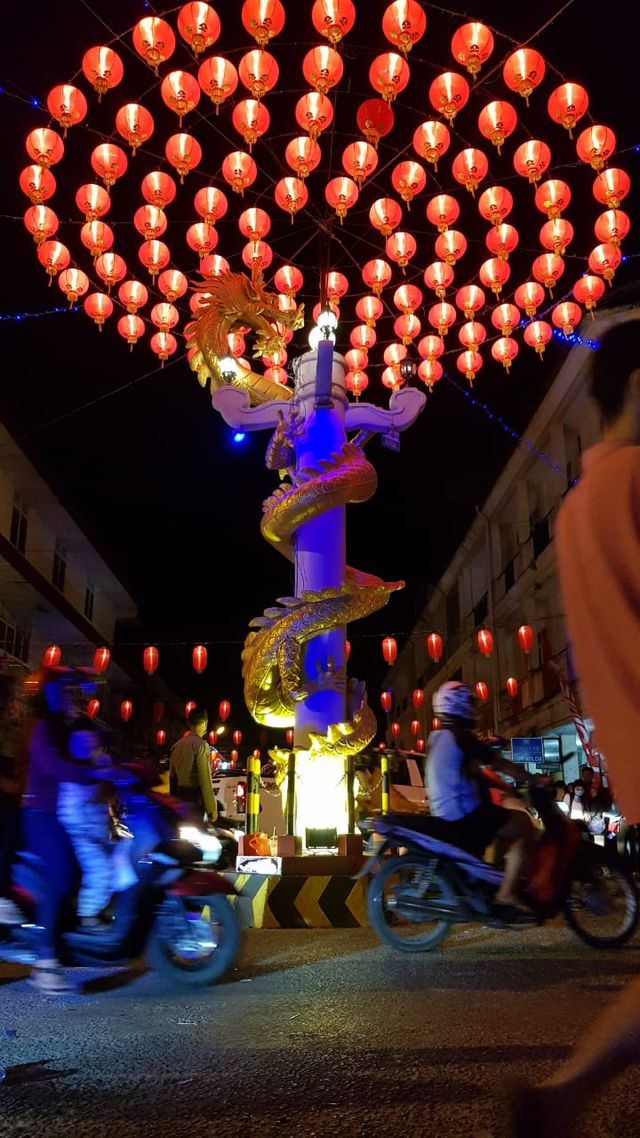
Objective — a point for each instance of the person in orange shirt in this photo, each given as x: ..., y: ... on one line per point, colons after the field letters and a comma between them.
x: 598, y: 552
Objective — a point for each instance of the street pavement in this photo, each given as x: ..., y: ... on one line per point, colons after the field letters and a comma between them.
x: 316, y: 1033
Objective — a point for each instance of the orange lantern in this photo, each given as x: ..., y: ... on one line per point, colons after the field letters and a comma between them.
x: 482, y: 691
x: 417, y: 698
x: 400, y: 247
x: 355, y: 359
x: 154, y: 41
x: 443, y: 211
x: 556, y: 235
x: 588, y: 290
x: 438, y: 276
x: 180, y: 92
x: 548, y: 268
x: 126, y: 710
x: 97, y: 237
x: 199, y: 26
x: 501, y: 240
x: 389, y: 650
x: 524, y: 71
x: 430, y: 371
x: 505, y: 317
x: 202, y: 238
x: 322, y: 68
x: 359, y: 159
x: 395, y: 730
x: 404, y: 23
x: 389, y: 75
x: 239, y: 171
x: 451, y: 246
x: 38, y: 184
x: 103, y: 68
x: 54, y: 257
x: 288, y: 280
x: 314, y: 113
x: 385, y: 215
x: 408, y: 179
x: 302, y: 155
x: 251, y: 119
x: 448, y: 94
x: 415, y: 727
x: 430, y: 347
x: 595, y: 145
x: 470, y: 299
x: 469, y: 167
x: 441, y: 316
x: 67, y: 105
x: 356, y: 382
x: 93, y: 201
x: 164, y: 316
x: 375, y: 119
x: 163, y: 344
x: 567, y: 104
x: 257, y: 256
x: 52, y: 656
x: 44, y: 147
x: 211, y: 204
x: 133, y: 295
x: 431, y: 140
x: 101, y: 658
x: 155, y: 256
x: 504, y: 351
x: 362, y: 337
x: 376, y: 275
x: 497, y: 121
x: 134, y: 124
x: 472, y: 45
x: 407, y: 298
x: 552, y: 197
x: 337, y: 286
x: 494, y: 273
x: 511, y: 687
x: 567, y: 316
x: 529, y: 296
x: 109, y: 162
x: 611, y: 187
x: 93, y: 707
x: 471, y: 335
x: 74, y: 283
x: 531, y: 159
x: 386, y: 701
x: 392, y: 378
x: 537, y: 335
x: 214, y: 265
x: 41, y: 222
x: 495, y: 204
x: 224, y: 709
x: 469, y: 363
x: 407, y: 327
x: 218, y: 79
x: 484, y: 640
x: 612, y: 226
x: 526, y: 638
x: 184, y: 153
x: 263, y: 19
x: 172, y: 284
x: 150, y: 221
x: 161, y: 737
x: 258, y: 71
x: 254, y: 224
x: 158, y: 188
x: 291, y: 195
x: 333, y: 19
x: 99, y: 307
x: 369, y: 309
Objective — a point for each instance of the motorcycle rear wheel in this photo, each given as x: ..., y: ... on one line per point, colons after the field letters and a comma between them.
x: 603, y: 911
x: 194, y: 950
x: 393, y: 903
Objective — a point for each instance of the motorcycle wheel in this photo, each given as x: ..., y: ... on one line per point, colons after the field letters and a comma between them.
x: 194, y: 950
x: 602, y: 910
x: 393, y: 901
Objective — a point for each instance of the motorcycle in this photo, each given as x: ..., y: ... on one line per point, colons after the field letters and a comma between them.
x: 169, y: 904
x: 415, y: 897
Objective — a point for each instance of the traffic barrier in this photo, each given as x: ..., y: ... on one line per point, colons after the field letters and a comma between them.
x: 386, y: 787
x: 253, y: 794
x: 299, y: 902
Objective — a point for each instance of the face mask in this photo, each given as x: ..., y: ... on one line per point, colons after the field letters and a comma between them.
x: 579, y: 792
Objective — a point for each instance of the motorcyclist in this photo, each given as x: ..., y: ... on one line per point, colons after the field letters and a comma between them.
x: 459, y: 794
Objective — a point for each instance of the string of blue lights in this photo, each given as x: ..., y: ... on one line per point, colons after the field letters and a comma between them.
x: 36, y: 315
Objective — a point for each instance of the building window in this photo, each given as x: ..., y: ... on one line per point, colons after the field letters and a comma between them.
x: 89, y: 600
x: 18, y: 533
x: 59, y: 565
x: 480, y: 611
x: 15, y: 639
x: 541, y: 536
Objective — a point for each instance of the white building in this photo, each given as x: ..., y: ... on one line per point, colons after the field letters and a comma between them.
x: 503, y: 576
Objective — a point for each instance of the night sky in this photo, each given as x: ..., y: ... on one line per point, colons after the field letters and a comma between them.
x: 143, y: 462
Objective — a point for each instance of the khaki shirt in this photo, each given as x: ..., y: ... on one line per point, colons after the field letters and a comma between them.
x: 191, y: 769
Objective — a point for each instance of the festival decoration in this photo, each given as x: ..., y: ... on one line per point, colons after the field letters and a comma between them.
x: 512, y: 687
x: 526, y: 638
x: 482, y: 691
x: 101, y: 658
x: 484, y: 640
x: 389, y: 650
x: 51, y: 656
x: 386, y: 701
x: 126, y: 710
x: 150, y: 659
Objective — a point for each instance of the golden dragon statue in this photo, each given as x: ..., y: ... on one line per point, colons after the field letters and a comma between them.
x: 273, y: 654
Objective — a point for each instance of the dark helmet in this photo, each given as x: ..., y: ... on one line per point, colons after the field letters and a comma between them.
x: 454, y: 700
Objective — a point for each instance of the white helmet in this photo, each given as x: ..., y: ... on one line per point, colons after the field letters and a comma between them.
x: 454, y: 700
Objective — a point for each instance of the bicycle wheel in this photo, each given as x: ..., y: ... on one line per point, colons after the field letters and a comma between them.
x: 397, y: 898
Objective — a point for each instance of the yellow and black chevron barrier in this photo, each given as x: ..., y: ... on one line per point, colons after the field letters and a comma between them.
x: 299, y: 902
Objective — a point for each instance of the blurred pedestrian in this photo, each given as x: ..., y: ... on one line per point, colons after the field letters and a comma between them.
x: 190, y: 768
x: 13, y: 773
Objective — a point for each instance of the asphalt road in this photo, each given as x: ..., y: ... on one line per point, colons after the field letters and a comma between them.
x: 315, y: 1033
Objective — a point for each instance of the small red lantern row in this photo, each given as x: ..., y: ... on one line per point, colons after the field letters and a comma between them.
x: 199, y: 658
x: 236, y: 738
x: 126, y: 710
x: 512, y: 687
x: 434, y: 646
x: 389, y: 650
x: 435, y: 723
x: 482, y: 691
x: 526, y: 638
x: 395, y: 729
x: 386, y: 701
x: 150, y: 658
x: 189, y: 707
x: 417, y: 698
x: 52, y: 656
x: 161, y: 737
x: 288, y: 735
x: 93, y: 707
x: 415, y: 727
x: 224, y: 709
x: 420, y: 745
x: 484, y: 640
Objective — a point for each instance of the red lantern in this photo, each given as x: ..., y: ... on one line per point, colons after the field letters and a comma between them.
x: 158, y: 188
x: 567, y: 316
x: 404, y: 23
x: 375, y: 119
x: 258, y: 71
x: 420, y: 745
x: 408, y: 179
x: 347, y: 651
x: 501, y: 240
x: 97, y: 237
x: 448, y: 94
x: 362, y: 337
x: 67, y: 105
x: 495, y: 204
x: 392, y: 378
x: 451, y: 246
x: 395, y: 729
x: 133, y: 295
x: 443, y: 211
x: 212, y: 738
x: 556, y: 235
x: 469, y: 363
x: 603, y: 260
x: 109, y: 162
x: 126, y: 710
x: 407, y: 298
x: 470, y: 299
x: 239, y: 171
x: 567, y: 104
x: 257, y: 255
x: 482, y: 691
x: 529, y: 296
x: 314, y: 113
x: 288, y: 735
x: 224, y: 709
x: 438, y: 276
x: 512, y: 687
x: 552, y: 197
x: 376, y: 275
x: 611, y: 187
x: 263, y: 19
x: 44, y: 147
x: 214, y: 266
x: 537, y: 335
x: 184, y: 153
x: 417, y: 698
x: 484, y: 640
x: 189, y: 707
x: 302, y: 155
x: 199, y: 26
x: 154, y: 41
x: 430, y: 371
x: 359, y: 159
x: 93, y: 707
x: 92, y: 200
x: 199, y: 658
x: 472, y: 45
x: 150, y: 221
x: 548, y: 269
x: 218, y: 79
x: 154, y: 255
x: 237, y: 738
x: 135, y: 124
x: 612, y: 226
x: 505, y: 317
x: 385, y: 215
x: 164, y: 316
x: 201, y: 237
x: 389, y: 75
x: 389, y: 650
x: 415, y: 726
x: 471, y: 335
x: 150, y: 658
x: 494, y: 273
x: 386, y: 701
x: 434, y: 646
x: 158, y: 711
x: 180, y: 92
x: 251, y: 119
x: 356, y: 382
x: 524, y: 71
x: 74, y: 283
x: 595, y: 145
x: 291, y: 195
x: 164, y: 345
x: 441, y: 316
x: 526, y: 638
x: 39, y: 184
x: 101, y: 658
x: 103, y: 68
x: 288, y: 280
x: 41, y: 222
x: 435, y: 723
x: 430, y: 347
x: 322, y: 68
x: 394, y: 354
x: 99, y: 307
x: 469, y: 167
x: 161, y: 737
x: 172, y: 284
x: 54, y: 257
x: 431, y: 140
x: 531, y: 159
x: 369, y: 309
x: 333, y: 18
x: 588, y: 290
x: 400, y: 247
x: 52, y: 656
x: 504, y: 351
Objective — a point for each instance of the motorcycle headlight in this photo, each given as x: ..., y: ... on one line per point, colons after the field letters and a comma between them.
x: 208, y: 844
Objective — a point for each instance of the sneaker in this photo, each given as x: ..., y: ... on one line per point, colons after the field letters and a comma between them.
x: 48, y: 977
x: 10, y: 913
